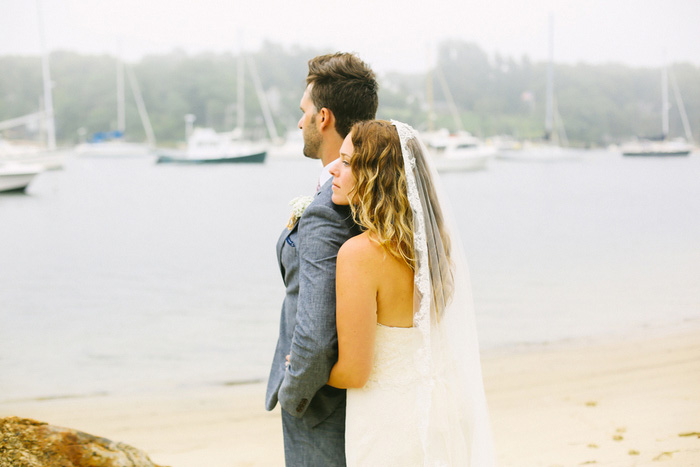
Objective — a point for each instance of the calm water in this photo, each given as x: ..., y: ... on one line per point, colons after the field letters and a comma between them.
x: 121, y: 275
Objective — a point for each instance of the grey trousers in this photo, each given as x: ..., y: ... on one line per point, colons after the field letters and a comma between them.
x: 320, y: 446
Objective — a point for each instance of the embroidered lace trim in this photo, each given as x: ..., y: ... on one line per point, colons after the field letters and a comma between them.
x: 421, y: 313
x: 421, y: 316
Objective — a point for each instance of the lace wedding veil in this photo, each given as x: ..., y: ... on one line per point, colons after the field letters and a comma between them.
x: 455, y: 424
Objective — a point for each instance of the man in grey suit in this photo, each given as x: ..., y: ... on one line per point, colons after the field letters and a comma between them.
x: 341, y: 90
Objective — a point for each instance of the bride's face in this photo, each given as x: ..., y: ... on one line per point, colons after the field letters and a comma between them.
x: 343, y: 180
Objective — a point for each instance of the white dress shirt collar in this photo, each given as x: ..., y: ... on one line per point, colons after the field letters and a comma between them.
x: 325, y: 175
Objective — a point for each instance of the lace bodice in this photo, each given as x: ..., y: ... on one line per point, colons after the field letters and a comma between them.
x: 387, y: 405
x: 394, y: 358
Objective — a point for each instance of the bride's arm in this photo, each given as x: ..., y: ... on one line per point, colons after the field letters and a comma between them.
x: 356, y: 314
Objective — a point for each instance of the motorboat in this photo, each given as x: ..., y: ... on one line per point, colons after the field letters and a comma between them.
x: 206, y: 146
x: 459, y: 152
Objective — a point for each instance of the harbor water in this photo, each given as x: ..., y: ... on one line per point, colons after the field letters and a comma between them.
x: 121, y: 275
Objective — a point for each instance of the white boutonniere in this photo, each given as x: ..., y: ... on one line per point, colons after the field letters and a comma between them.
x: 299, y: 205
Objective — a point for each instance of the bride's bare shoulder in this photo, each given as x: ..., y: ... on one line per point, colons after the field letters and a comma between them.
x: 361, y: 249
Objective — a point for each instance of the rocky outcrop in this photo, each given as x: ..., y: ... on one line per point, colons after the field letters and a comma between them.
x: 28, y: 443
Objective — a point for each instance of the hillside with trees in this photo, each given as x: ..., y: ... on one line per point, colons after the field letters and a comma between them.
x: 493, y: 95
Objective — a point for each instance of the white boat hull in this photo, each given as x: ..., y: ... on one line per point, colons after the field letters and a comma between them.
x: 463, y: 161
x: 541, y: 154
x: 458, y: 152
x: 205, y: 146
x: 174, y: 158
x: 112, y: 149
x: 17, y: 178
x: 657, y: 149
x: 19, y: 154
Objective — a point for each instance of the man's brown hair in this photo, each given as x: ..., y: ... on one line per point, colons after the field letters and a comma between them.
x: 346, y: 86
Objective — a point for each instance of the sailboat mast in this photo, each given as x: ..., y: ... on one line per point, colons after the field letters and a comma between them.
x: 141, y: 107
x: 450, y: 100
x: 46, y: 74
x: 681, y: 107
x: 664, y: 102
x: 262, y: 100
x: 549, y: 115
x: 240, y: 104
x: 429, y: 91
x: 121, y: 114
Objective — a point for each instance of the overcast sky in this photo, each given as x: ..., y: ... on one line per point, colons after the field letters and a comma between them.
x: 390, y: 35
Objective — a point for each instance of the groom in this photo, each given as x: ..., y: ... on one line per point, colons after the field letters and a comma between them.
x: 341, y: 90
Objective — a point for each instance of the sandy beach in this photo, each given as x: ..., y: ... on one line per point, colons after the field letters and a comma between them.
x: 631, y: 401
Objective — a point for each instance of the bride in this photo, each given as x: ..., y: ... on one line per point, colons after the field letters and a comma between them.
x: 408, y: 352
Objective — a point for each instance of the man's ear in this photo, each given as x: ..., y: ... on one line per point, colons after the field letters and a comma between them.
x: 326, y: 119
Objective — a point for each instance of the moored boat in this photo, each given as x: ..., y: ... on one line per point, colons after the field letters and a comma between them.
x: 182, y: 158
x: 16, y: 177
x: 554, y: 146
x: 459, y: 152
x: 206, y: 146
x: 111, y: 144
x: 663, y: 148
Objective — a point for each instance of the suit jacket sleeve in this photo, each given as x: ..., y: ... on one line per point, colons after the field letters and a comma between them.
x: 314, y: 350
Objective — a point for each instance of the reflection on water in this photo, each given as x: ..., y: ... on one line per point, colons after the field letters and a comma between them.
x: 121, y: 275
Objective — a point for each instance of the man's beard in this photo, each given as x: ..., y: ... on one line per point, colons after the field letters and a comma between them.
x: 312, y: 141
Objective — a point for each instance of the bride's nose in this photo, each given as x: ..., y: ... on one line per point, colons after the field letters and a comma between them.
x: 333, y: 167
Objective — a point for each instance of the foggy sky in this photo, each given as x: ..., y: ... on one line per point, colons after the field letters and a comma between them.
x: 390, y: 35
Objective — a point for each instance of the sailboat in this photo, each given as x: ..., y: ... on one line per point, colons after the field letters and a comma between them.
x: 13, y: 151
x: 112, y: 143
x: 19, y: 164
x: 453, y: 152
x: 206, y: 146
x: 663, y: 146
x: 553, y: 147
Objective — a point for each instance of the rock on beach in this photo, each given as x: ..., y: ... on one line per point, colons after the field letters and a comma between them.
x: 29, y: 443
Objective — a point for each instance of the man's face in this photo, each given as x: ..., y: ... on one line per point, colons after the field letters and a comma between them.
x: 307, y: 123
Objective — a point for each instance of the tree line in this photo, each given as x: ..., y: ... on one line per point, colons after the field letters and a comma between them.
x: 486, y: 95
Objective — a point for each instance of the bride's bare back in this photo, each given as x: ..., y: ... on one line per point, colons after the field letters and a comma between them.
x: 372, y: 287
x: 394, y: 282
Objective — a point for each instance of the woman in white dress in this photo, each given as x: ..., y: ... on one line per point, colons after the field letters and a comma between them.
x: 408, y: 353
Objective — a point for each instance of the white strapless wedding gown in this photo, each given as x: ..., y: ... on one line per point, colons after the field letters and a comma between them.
x: 382, y: 423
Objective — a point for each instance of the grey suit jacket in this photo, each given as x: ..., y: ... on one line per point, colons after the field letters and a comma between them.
x: 307, y: 257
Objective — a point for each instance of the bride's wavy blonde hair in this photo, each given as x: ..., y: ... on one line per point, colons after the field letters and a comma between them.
x: 379, y: 199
